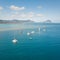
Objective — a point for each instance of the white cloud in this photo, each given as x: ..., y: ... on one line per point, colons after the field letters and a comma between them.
x: 13, y: 7
x: 39, y: 15
x: 39, y: 7
x: 23, y: 16
x: 1, y: 8
x: 30, y: 15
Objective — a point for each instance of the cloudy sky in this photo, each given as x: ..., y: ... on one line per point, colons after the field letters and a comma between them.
x: 36, y: 10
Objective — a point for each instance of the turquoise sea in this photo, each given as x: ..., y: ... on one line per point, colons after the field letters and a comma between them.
x: 44, y: 45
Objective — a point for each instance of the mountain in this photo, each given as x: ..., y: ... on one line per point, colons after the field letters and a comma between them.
x: 14, y: 21
x: 48, y: 21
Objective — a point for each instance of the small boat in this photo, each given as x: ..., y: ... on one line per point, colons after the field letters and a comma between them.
x: 14, y: 41
x: 44, y: 30
x: 30, y: 38
x: 39, y: 29
x: 44, y: 26
x: 28, y: 33
x: 33, y: 32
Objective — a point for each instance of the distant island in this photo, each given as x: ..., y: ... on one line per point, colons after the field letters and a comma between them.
x: 21, y: 21
x: 47, y: 21
x: 14, y: 21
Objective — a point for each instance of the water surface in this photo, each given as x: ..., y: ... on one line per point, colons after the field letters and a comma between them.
x: 44, y: 45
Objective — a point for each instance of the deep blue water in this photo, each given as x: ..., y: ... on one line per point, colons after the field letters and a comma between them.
x: 44, y: 45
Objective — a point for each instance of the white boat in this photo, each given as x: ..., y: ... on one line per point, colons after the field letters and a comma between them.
x: 30, y: 38
x: 44, y: 30
x: 28, y: 33
x: 39, y: 29
x: 33, y: 32
x: 14, y: 41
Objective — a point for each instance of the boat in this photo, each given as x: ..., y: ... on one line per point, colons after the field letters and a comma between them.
x: 14, y: 40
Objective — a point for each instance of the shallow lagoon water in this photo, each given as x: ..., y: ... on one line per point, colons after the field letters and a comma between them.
x: 44, y: 45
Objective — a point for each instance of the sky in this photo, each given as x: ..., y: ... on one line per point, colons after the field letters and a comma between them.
x: 35, y: 10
